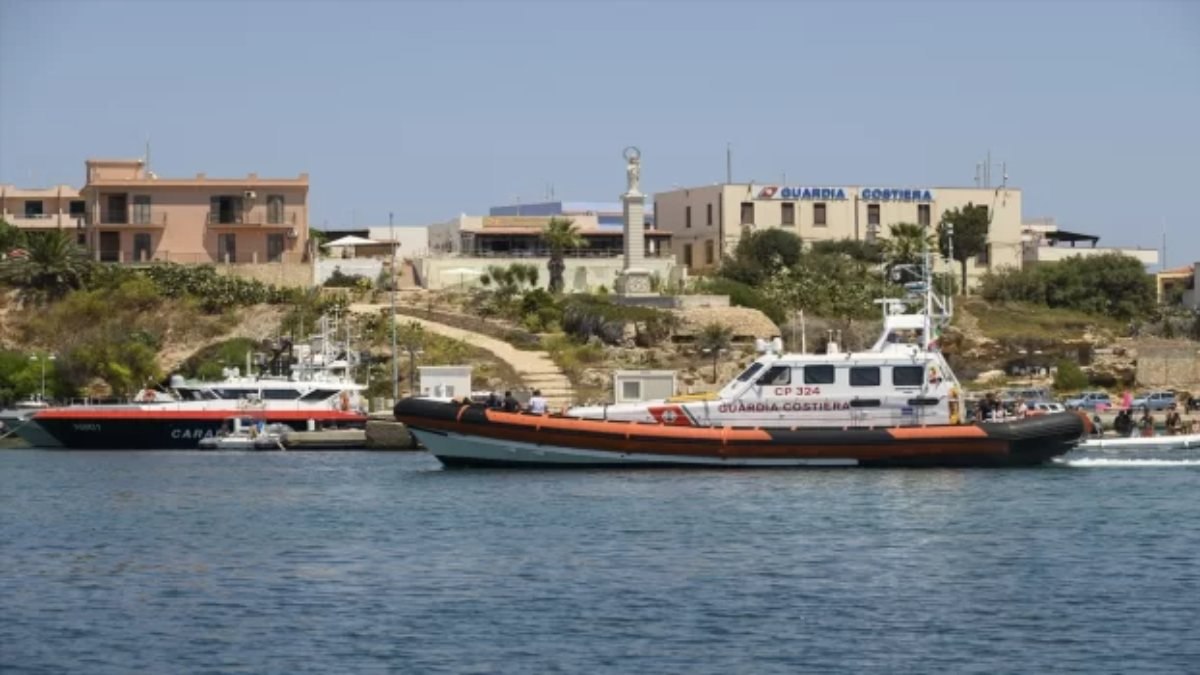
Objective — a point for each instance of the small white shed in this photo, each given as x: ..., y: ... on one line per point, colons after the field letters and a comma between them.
x: 444, y: 381
x: 630, y: 386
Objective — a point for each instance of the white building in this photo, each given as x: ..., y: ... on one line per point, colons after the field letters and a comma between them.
x: 444, y: 381
x: 1043, y: 242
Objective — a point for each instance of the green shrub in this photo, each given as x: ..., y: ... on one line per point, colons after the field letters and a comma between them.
x: 587, y: 316
x: 1069, y: 377
x: 1112, y: 285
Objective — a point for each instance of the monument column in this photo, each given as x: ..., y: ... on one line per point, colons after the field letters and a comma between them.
x: 634, y: 278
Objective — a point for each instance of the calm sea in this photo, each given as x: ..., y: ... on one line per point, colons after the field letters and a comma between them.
x: 116, y: 562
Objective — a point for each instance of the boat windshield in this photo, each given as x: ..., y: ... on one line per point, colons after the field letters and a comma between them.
x: 749, y: 372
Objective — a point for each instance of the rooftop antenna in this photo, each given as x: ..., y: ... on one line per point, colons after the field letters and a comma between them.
x: 728, y: 163
x: 147, y: 163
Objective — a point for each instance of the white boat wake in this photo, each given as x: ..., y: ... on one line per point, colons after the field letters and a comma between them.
x: 1119, y: 463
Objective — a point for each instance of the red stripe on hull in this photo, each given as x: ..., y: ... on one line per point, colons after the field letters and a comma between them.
x: 85, y: 415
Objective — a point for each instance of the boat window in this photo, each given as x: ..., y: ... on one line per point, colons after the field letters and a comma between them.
x: 776, y: 375
x: 864, y: 376
x: 818, y: 374
x: 318, y: 394
x: 234, y: 394
x: 908, y: 376
x: 280, y: 394
x: 749, y: 372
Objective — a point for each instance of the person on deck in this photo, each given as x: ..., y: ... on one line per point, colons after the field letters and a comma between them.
x: 1174, y: 422
x: 537, y: 403
x: 493, y: 401
x: 1146, y: 422
x: 1123, y: 424
x: 510, y: 402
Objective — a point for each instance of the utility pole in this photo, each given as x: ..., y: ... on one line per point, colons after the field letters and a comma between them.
x: 395, y: 361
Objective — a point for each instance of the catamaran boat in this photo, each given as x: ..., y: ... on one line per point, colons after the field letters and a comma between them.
x: 318, y: 392
x: 895, y: 404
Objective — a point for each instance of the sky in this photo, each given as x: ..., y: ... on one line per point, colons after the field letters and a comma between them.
x: 429, y: 110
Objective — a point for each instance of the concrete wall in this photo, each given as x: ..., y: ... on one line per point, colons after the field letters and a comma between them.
x: 286, y: 275
x: 1168, y: 365
x: 367, y: 267
x: 846, y: 217
x: 413, y: 240
x: 581, y: 274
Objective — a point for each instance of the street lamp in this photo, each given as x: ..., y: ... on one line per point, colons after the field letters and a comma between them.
x: 43, y: 360
x: 413, y: 353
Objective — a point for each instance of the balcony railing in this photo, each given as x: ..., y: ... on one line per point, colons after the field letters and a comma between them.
x: 43, y: 221
x: 259, y: 217
x: 127, y: 257
x: 153, y: 218
x: 661, y: 252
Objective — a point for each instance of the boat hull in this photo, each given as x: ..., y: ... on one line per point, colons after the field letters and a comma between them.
x: 163, y: 430
x: 24, y: 427
x: 474, y: 436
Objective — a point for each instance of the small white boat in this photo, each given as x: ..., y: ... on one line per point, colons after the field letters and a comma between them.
x: 247, y: 434
x: 1178, y: 442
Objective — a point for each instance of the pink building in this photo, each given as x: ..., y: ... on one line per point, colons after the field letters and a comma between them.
x: 55, y: 208
x: 134, y: 216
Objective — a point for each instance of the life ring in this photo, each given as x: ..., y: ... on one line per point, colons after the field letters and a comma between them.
x: 147, y: 396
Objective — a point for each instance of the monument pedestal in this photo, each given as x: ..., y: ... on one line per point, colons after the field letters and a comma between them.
x: 634, y: 282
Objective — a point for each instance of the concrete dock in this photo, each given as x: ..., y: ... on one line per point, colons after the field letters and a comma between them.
x: 380, y: 434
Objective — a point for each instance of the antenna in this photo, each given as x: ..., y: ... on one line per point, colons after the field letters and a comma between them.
x: 728, y: 163
x: 146, y: 166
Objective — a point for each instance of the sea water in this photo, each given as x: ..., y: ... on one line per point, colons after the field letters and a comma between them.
x: 180, y: 562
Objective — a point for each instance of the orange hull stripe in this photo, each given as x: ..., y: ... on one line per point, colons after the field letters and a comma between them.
x: 933, y: 433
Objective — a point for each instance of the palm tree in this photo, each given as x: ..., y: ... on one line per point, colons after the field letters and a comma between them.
x: 560, y: 234
x: 54, y: 264
x: 906, y: 244
x: 10, y: 238
x: 713, y: 339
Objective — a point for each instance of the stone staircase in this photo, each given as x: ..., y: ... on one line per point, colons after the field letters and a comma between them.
x: 535, y: 368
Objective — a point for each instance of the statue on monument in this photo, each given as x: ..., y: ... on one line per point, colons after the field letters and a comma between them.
x: 633, y: 168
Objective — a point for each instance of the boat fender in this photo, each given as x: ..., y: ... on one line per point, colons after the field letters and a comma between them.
x: 345, y: 401
x: 954, y: 412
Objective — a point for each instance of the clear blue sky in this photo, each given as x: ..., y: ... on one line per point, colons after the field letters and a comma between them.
x: 433, y: 109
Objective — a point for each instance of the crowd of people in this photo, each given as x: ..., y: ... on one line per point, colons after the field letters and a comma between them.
x: 1128, y: 421
x: 509, y: 403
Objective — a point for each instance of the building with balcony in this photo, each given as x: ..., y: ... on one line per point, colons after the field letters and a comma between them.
x: 134, y: 216
x: 56, y: 208
x: 461, y: 250
x: 705, y: 223
x: 1043, y: 242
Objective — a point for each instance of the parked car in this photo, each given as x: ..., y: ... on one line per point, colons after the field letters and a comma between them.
x: 1011, y: 396
x: 1043, y: 408
x: 1155, y: 400
x: 1094, y: 401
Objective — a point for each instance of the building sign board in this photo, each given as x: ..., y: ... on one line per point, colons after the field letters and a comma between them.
x: 800, y: 193
x: 896, y: 195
